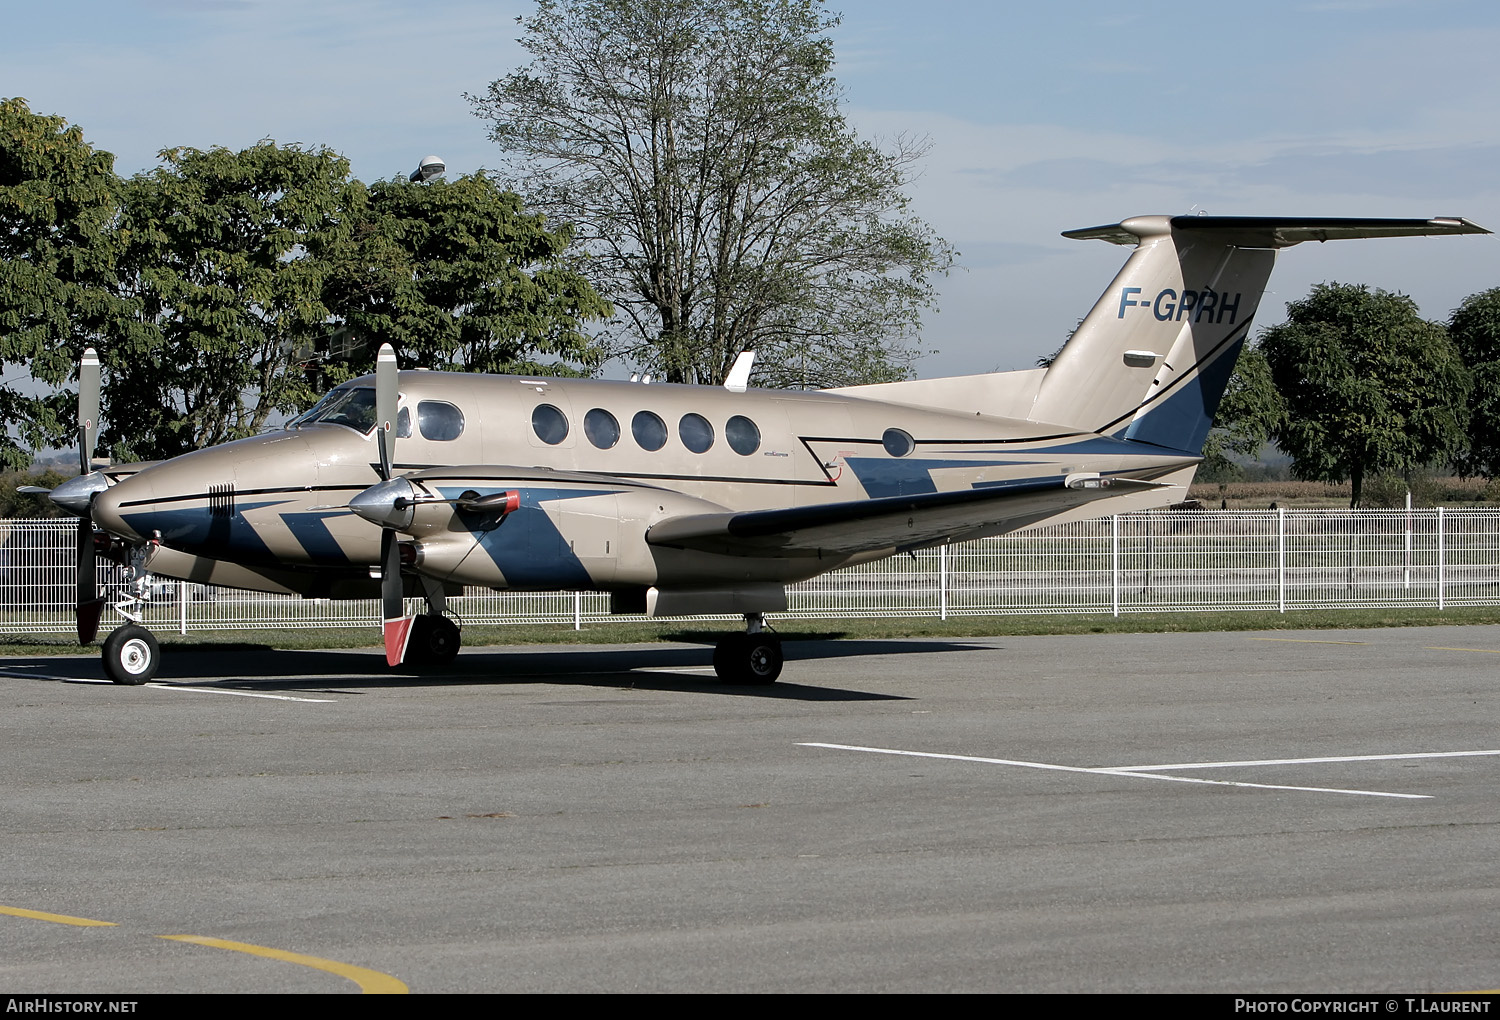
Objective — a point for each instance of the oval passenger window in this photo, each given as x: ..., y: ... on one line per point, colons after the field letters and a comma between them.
x: 742, y: 435
x: 897, y: 443
x: 549, y: 424
x: 649, y: 430
x: 696, y: 433
x: 601, y: 428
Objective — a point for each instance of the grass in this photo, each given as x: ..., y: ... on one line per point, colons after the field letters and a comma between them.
x: 806, y: 630
x: 1295, y: 495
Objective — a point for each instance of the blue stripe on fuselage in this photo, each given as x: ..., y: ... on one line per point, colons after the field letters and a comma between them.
x: 526, y: 546
x: 197, y: 530
x: 310, y: 531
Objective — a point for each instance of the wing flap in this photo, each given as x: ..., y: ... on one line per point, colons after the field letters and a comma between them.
x: 894, y: 522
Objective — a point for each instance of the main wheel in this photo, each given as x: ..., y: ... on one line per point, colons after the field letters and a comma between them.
x: 131, y: 655
x: 748, y: 658
x: 434, y: 641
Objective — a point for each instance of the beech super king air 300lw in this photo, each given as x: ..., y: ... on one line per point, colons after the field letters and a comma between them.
x: 691, y: 499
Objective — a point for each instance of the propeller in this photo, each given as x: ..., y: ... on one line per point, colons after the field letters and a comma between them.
x: 397, y: 624
x: 90, y: 605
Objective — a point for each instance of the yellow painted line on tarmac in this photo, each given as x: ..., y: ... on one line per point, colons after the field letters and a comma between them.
x: 371, y: 982
x: 1488, y: 651
x: 42, y: 915
x: 1308, y: 641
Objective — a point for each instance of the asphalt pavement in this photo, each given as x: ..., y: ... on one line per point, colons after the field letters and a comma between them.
x: 1233, y: 813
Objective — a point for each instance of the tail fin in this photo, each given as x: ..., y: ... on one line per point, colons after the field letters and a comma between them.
x: 1152, y: 359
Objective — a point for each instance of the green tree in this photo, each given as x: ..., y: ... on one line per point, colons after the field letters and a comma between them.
x: 1246, y: 419
x: 697, y: 148
x: 58, y: 204
x: 1475, y: 330
x: 228, y: 254
x: 454, y: 275
x: 17, y: 504
x: 1368, y: 385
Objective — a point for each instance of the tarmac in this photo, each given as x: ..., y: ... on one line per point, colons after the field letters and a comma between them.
x: 1244, y: 812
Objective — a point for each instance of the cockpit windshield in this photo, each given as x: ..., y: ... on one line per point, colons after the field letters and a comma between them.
x: 353, y: 406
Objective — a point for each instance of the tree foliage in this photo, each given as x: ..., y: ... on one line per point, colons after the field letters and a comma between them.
x: 454, y: 275
x: 1368, y: 385
x: 697, y: 148
x: 228, y: 253
x: 58, y: 203
x: 1475, y: 331
x: 1248, y: 416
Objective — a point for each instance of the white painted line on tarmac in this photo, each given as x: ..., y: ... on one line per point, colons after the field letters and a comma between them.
x: 1295, y: 761
x: 1115, y: 772
x: 26, y: 675
x: 672, y: 669
x: 238, y: 694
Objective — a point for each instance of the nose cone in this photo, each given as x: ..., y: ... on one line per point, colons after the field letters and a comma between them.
x: 198, y: 502
x: 76, y: 494
x: 389, y: 504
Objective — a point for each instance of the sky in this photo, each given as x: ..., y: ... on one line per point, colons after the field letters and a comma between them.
x: 1040, y: 118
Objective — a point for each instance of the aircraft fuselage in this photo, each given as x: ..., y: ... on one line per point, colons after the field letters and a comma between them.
x: 595, y: 465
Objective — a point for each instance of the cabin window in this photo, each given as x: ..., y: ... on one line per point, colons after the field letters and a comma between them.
x: 697, y: 434
x: 549, y: 424
x: 442, y: 422
x: 742, y: 435
x: 353, y: 406
x: 601, y: 428
x: 403, y: 423
x: 898, y: 443
x: 649, y: 430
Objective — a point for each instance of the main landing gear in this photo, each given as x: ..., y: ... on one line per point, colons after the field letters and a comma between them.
x: 434, y: 641
x: 753, y: 657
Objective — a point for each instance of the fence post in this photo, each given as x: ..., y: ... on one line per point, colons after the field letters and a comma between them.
x: 943, y: 582
x: 578, y: 610
x: 1114, y: 564
x: 1281, y: 559
x: 1406, y: 571
x: 182, y: 605
x: 1442, y: 555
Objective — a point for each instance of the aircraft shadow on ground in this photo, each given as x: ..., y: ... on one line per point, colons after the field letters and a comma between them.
x: 651, y: 668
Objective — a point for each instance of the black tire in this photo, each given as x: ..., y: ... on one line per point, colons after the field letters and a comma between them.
x: 726, y: 655
x: 762, y: 658
x: 131, y: 655
x: 434, y: 641
x: 748, y: 658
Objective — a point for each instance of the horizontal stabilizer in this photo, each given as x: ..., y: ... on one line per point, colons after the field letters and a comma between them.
x: 894, y: 522
x: 1276, y: 231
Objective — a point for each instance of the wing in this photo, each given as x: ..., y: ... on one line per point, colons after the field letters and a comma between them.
x: 893, y: 522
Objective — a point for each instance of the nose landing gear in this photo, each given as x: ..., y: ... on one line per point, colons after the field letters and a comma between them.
x: 131, y: 653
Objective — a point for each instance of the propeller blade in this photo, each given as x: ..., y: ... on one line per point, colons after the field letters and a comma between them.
x: 393, y: 607
x: 385, y: 407
x: 90, y: 605
x: 88, y: 410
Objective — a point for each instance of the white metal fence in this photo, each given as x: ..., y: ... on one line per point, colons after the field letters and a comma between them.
x: 1153, y: 561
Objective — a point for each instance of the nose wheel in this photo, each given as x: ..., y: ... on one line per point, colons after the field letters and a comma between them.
x: 131, y: 655
x: 752, y: 658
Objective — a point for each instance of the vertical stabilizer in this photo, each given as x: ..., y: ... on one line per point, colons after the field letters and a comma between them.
x: 1152, y: 359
